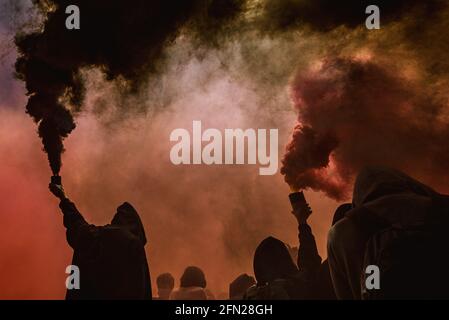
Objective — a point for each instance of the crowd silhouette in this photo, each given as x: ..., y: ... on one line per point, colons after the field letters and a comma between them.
x: 394, y: 223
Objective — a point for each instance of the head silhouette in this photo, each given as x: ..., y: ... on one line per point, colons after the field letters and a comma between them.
x: 193, y: 277
x: 272, y: 261
x: 165, y: 284
x: 128, y: 218
x: 238, y: 287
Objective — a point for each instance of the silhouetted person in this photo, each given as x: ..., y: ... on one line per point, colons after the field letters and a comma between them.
x: 238, y: 287
x: 277, y: 276
x: 165, y: 284
x: 390, y: 207
x: 324, y: 289
x: 111, y: 259
x: 193, y: 286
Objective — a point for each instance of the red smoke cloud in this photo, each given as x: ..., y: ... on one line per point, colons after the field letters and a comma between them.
x: 33, y: 252
x: 356, y: 112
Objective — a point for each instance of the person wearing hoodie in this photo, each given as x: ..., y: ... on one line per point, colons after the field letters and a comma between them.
x: 277, y: 276
x: 111, y: 259
x: 324, y: 289
x: 391, y: 215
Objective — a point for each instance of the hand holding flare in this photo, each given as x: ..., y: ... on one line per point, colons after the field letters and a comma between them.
x: 56, y: 188
x: 301, y: 209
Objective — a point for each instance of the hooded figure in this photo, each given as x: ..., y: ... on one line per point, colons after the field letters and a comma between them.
x: 324, y: 287
x: 278, y: 277
x: 383, y: 198
x: 272, y: 261
x: 111, y: 259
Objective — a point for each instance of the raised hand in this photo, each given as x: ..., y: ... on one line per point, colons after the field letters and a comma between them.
x: 57, y: 190
x: 302, y: 212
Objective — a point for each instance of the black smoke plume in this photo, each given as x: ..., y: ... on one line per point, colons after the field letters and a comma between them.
x: 125, y: 39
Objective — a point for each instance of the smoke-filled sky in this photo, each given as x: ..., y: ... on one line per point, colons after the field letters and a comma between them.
x: 349, y: 95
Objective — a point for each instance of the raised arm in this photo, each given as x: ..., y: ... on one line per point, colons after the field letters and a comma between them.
x: 308, y: 258
x: 80, y: 234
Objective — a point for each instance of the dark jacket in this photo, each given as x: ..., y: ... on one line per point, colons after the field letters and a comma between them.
x: 278, y: 278
x: 392, y: 216
x: 111, y: 259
